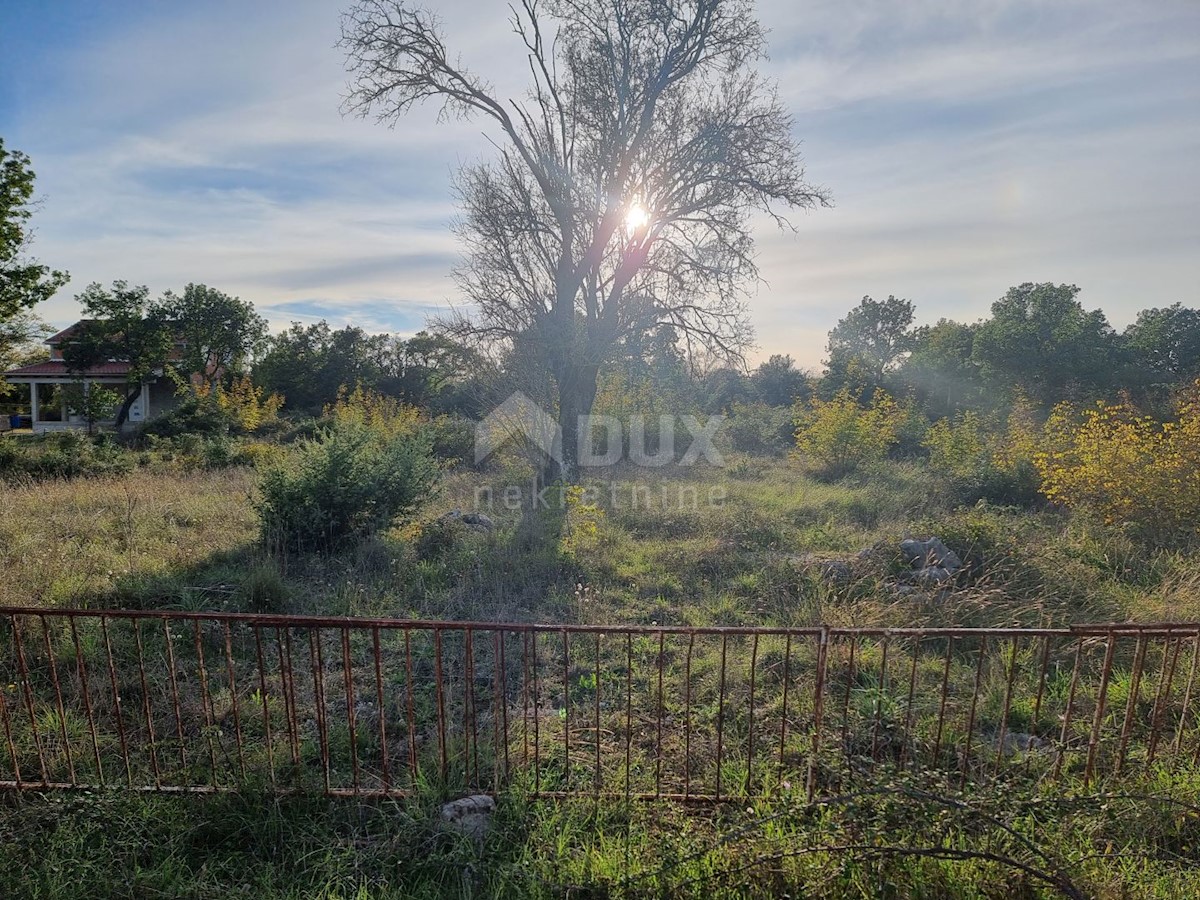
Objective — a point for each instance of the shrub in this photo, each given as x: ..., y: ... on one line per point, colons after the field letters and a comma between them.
x: 1128, y: 467
x: 375, y: 412
x: 194, y: 415
x: 345, y: 485
x: 242, y: 404
x: 838, y: 436
x: 986, y: 461
x: 760, y: 429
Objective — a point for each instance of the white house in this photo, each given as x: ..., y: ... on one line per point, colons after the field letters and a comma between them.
x: 47, y: 379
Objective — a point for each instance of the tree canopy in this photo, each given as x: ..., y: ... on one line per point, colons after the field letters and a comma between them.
x: 24, y: 282
x: 123, y: 324
x: 869, y: 343
x: 217, y: 333
x: 1040, y: 339
x: 621, y: 194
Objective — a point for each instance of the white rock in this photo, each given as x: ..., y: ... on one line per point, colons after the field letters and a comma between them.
x: 470, y: 816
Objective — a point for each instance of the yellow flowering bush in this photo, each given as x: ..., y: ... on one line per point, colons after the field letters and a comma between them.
x: 837, y: 436
x: 243, y: 403
x: 1126, y: 466
x: 383, y: 415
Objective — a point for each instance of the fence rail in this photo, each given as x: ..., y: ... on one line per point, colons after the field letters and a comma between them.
x: 175, y: 701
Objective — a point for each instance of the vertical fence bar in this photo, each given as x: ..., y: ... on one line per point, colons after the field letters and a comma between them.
x: 141, y: 658
x: 525, y: 699
x: 1131, y: 701
x: 502, y: 693
x: 537, y: 743
x: 750, y: 737
x: 441, y: 703
x: 58, y: 698
x: 851, y: 674
x: 27, y: 692
x: 1041, y: 688
x: 566, y: 645
x: 658, y: 740
x: 1008, y: 692
x: 172, y: 679
x: 599, y: 778
x: 289, y: 691
x: 266, y: 709
x: 1162, y: 697
x: 233, y: 696
x: 721, y: 712
x: 787, y: 658
x: 941, y: 723
x: 469, y: 640
x: 974, y: 705
x: 687, y: 715
x: 205, y: 699
x: 411, y: 711
x: 498, y: 701
x: 316, y: 658
x: 468, y: 697
x: 908, y: 707
x: 818, y: 709
x: 116, y: 692
x: 880, y: 688
x: 1098, y: 720
x: 628, y: 713
x: 1187, y: 698
x: 1066, y: 725
x: 351, y: 712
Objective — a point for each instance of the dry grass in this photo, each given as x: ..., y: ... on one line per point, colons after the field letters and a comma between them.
x: 66, y: 542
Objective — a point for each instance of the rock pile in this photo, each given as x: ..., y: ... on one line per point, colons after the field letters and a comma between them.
x: 932, y: 561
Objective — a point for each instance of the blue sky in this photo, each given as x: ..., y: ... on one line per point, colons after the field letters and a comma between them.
x: 969, y: 146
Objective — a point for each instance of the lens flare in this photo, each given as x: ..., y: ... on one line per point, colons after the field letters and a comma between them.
x: 636, y: 217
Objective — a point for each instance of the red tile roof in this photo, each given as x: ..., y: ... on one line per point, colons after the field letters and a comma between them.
x: 68, y: 332
x: 55, y: 367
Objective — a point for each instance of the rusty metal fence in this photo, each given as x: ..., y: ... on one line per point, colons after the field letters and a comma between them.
x: 176, y: 701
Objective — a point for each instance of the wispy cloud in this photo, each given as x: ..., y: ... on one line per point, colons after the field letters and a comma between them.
x: 969, y: 146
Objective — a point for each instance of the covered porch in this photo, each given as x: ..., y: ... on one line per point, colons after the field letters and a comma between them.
x: 49, y: 409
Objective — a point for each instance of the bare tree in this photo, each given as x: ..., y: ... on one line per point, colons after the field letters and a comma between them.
x: 625, y: 180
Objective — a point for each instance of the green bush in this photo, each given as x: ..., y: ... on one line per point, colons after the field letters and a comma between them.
x: 838, y: 436
x: 343, y: 486
x: 760, y: 429
x: 193, y: 415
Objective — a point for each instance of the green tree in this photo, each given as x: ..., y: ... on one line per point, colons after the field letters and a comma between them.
x: 123, y: 325
x: 21, y: 344
x: 1165, y: 344
x: 867, y: 346
x: 91, y: 402
x: 1042, y: 341
x: 24, y: 282
x: 219, y: 333
x: 309, y: 364
x: 940, y: 370
x: 778, y: 382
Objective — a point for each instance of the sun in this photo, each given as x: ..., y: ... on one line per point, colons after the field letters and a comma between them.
x: 636, y: 217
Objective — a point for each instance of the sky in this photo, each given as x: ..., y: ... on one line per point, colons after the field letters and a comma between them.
x: 969, y: 145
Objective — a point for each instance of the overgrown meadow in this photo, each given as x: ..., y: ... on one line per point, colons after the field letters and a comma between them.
x: 789, y: 531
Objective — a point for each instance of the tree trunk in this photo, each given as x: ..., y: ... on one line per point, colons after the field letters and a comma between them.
x: 126, y: 405
x: 577, y: 388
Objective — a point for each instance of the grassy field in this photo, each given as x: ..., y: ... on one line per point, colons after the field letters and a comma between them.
x: 165, y: 539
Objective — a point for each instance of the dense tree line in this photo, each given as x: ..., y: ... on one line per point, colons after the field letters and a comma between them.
x: 1039, y: 341
x: 309, y: 365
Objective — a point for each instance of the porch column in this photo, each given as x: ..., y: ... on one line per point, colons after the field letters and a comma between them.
x: 33, y: 403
